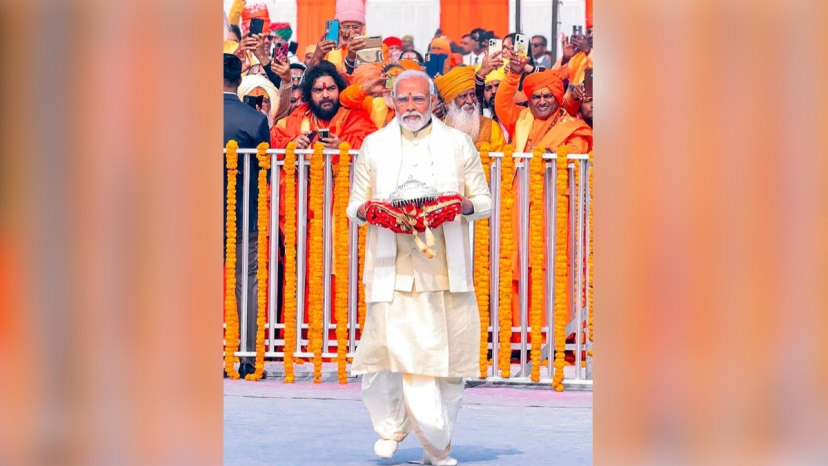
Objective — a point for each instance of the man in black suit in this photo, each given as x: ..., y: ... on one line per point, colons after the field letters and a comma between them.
x: 249, y: 128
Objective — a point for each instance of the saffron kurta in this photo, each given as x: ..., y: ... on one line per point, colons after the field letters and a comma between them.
x: 422, y: 315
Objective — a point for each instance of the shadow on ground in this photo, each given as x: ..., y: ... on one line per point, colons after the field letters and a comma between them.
x: 463, y: 453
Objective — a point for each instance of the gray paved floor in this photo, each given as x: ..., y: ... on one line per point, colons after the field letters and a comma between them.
x: 273, y: 423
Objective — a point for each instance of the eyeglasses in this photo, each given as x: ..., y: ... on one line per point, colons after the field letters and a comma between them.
x: 417, y: 99
x: 538, y: 97
x: 270, y: 37
x: 350, y: 27
x: 537, y: 44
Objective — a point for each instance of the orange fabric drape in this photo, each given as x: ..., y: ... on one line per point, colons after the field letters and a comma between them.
x: 310, y: 19
x: 461, y: 16
x: 588, y: 13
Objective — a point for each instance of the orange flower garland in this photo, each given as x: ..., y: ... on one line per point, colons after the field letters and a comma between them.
x: 342, y: 192
x: 315, y: 266
x: 263, y: 222
x: 589, y: 314
x: 289, y: 309
x: 231, y: 316
x: 361, y: 306
x: 561, y: 267
x: 482, y: 272
x: 506, y: 245
x: 536, y: 166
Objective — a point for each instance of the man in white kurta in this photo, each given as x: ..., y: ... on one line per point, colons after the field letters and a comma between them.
x: 422, y: 327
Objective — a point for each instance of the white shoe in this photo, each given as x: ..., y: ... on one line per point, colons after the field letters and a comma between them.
x: 447, y: 461
x: 385, y: 448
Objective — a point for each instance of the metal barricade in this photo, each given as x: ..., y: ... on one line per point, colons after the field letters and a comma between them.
x: 579, y: 374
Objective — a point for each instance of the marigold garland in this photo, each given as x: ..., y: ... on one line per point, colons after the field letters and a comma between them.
x: 231, y: 316
x: 482, y: 272
x: 506, y: 245
x: 342, y: 192
x: 289, y: 294
x: 561, y: 268
x: 536, y: 167
x: 262, y: 222
x: 315, y: 264
x: 589, y: 261
x: 361, y: 305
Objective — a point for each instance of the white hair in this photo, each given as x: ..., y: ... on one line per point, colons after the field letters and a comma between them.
x: 423, y: 117
x: 411, y: 74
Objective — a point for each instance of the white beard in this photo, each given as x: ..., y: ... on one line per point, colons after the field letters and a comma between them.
x: 464, y: 120
x: 413, y: 125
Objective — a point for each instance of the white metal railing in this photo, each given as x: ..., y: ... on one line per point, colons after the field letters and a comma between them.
x: 579, y: 231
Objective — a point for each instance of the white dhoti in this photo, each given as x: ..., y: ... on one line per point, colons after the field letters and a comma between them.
x: 399, y: 403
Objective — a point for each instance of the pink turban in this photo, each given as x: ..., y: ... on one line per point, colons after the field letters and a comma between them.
x: 350, y: 10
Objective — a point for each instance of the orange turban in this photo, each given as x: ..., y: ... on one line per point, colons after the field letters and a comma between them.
x: 550, y: 79
x: 455, y: 82
x: 365, y: 72
x: 409, y: 64
x: 440, y: 45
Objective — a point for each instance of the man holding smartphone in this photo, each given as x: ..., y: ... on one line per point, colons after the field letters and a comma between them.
x: 321, y: 86
x: 351, y: 17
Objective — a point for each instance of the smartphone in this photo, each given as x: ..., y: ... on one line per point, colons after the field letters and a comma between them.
x: 521, y: 45
x: 372, y: 42
x: 588, y: 81
x: 280, y: 50
x: 332, y: 30
x: 495, y: 46
x: 254, y: 101
x: 256, y: 25
x: 389, y: 82
x: 311, y: 135
x: 324, y: 133
x: 435, y: 63
x: 577, y: 30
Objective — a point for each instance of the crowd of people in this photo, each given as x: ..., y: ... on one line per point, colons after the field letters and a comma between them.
x: 422, y: 325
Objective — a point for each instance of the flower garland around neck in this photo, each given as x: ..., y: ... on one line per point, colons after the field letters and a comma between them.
x: 262, y: 222
x: 289, y: 308
x: 315, y: 264
x: 341, y: 247
x: 482, y: 272
x: 231, y: 316
x: 589, y: 261
x: 561, y: 267
x: 504, y: 307
x: 537, y: 258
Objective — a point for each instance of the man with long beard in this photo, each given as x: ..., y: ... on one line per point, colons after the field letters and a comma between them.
x: 463, y: 109
x: 421, y: 334
x: 321, y: 109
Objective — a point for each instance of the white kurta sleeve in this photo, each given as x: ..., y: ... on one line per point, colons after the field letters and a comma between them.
x: 476, y: 188
x: 361, y: 188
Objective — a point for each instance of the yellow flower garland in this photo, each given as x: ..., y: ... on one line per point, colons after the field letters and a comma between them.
x: 231, y: 316
x: 561, y: 267
x: 315, y: 265
x: 263, y: 222
x: 482, y: 271
x: 591, y: 248
x: 342, y: 192
x: 289, y: 308
x: 506, y: 245
x: 536, y: 167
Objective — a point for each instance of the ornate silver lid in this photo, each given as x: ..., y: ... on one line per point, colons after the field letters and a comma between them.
x: 412, y: 192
